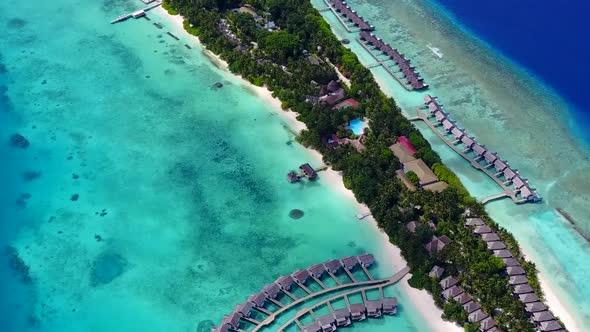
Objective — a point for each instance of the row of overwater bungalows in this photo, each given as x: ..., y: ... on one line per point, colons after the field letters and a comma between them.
x: 344, y: 10
x: 407, y: 70
x: 481, y: 154
x: 283, y: 284
x: 537, y: 311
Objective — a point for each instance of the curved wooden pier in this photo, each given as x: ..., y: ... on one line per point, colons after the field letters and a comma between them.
x: 314, y: 273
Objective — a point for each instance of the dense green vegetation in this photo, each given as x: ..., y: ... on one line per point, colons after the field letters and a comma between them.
x: 276, y: 60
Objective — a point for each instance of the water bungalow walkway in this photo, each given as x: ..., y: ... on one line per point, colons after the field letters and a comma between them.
x: 351, y: 21
x: 480, y: 157
x: 339, y: 317
x: 138, y: 13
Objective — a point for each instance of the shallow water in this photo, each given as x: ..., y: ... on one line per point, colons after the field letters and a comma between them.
x: 182, y: 206
x: 510, y: 111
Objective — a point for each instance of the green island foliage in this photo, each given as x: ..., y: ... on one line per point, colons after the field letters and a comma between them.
x: 169, y: 8
x: 413, y: 178
x: 276, y: 60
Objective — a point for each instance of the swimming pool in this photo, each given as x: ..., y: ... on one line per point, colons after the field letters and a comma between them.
x: 357, y: 126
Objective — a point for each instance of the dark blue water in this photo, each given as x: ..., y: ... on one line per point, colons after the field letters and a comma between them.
x: 548, y: 38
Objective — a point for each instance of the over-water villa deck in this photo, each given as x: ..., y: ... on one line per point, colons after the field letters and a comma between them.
x: 348, y: 17
x: 481, y: 157
x: 332, y: 277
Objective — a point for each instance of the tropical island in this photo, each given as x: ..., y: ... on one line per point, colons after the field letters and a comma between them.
x: 454, y: 250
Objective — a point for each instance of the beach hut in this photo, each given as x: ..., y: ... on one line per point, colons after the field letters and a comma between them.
x: 518, y: 280
x: 502, y: 253
x: 482, y: 229
x: 522, y: 289
x: 487, y: 324
x: 471, y: 306
x: 448, y: 282
x: 477, y: 316
x: 436, y: 272
x: 515, y: 271
x: 342, y: 317
x: 550, y: 325
x: 510, y: 261
x: 474, y: 222
x: 462, y: 298
x: 390, y: 305
x: 490, y: 237
x: 496, y: 245
x: 437, y: 244
x: 452, y: 292
x: 543, y: 316
x: 535, y: 307
x: 528, y: 298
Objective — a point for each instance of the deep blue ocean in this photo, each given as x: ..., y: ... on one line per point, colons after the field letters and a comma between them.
x: 548, y: 38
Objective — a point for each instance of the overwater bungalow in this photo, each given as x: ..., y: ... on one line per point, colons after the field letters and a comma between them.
x: 496, y: 245
x: 440, y: 116
x: 374, y: 308
x: 487, y: 324
x: 357, y: 311
x: 551, y: 325
x: 479, y: 150
x: 308, y: 171
x: 313, y: 327
x: 518, y: 280
x: 366, y: 260
x: 490, y: 237
x: 233, y: 321
x: 474, y: 222
x: 522, y: 289
x: 543, y: 316
x: 452, y: 292
x: 448, y: 282
x: 490, y: 157
x: 500, y: 166
x: 477, y: 316
x: 533, y: 307
x: 328, y: 323
x: 448, y: 125
x: 351, y: 15
x: 509, y: 174
x: 300, y: 276
x: 515, y: 271
x: 518, y: 182
x: 284, y: 282
x: 316, y: 270
x: 342, y: 317
x: 257, y: 299
x: 271, y: 290
x: 471, y: 307
x: 332, y: 265
x: 292, y: 177
x: 244, y: 309
x: 468, y: 142
x: 457, y: 133
x: 462, y: 298
x: 436, y: 272
x: 502, y: 253
x: 482, y: 229
x: 528, y: 298
x: 349, y: 262
x: 527, y: 194
x: 390, y: 305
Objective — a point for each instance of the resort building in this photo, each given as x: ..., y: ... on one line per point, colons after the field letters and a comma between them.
x: 437, y: 244
x: 308, y: 171
x: 436, y: 272
x: 342, y: 317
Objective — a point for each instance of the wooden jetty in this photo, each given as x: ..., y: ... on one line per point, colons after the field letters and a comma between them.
x: 347, y: 16
x: 478, y: 155
x: 340, y: 317
x: 137, y: 13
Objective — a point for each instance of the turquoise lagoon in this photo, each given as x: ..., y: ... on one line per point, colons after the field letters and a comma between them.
x: 182, y: 206
x: 509, y: 110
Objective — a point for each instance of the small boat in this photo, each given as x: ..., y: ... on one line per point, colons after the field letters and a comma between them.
x: 435, y: 50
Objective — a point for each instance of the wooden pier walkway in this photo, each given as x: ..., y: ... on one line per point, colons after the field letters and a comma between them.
x: 298, y: 279
x: 137, y: 13
x: 381, y: 64
x: 508, y: 192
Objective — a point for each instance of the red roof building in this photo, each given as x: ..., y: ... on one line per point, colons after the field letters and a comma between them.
x: 403, y: 140
x: 347, y: 103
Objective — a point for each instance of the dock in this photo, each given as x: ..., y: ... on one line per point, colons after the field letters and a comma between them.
x: 349, y: 19
x: 513, y: 185
x: 270, y: 294
x: 138, y: 13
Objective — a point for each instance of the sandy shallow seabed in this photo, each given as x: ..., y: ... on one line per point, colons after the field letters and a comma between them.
x: 421, y: 300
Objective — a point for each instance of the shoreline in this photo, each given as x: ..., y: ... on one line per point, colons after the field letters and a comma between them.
x: 420, y: 299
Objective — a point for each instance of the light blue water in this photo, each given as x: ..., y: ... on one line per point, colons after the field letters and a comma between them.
x: 356, y: 125
x: 183, y: 200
